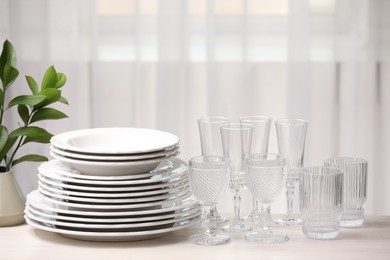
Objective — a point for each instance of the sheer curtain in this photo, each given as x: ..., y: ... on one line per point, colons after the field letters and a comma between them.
x: 164, y: 63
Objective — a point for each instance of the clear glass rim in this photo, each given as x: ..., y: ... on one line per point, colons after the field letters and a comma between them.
x: 319, y: 171
x: 275, y: 157
x: 245, y: 119
x: 201, y: 161
x: 287, y: 121
x: 344, y: 161
x: 214, y: 119
x: 237, y: 126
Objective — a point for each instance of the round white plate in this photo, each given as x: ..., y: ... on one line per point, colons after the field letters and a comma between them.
x: 107, y: 195
x: 115, y: 140
x: 157, y: 178
x: 122, y: 188
x: 41, y: 203
x: 88, y: 206
x: 115, y: 157
x: 112, y: 168
x: 112, y: 201
x: 76, y: 218
x: 164, y: 168
x: 107, y: 226
x: 112, y: 236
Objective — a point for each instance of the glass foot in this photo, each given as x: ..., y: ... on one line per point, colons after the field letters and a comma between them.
x: 266, y: 236
x: 289, y: 221
x: 235, y: 227
x: 209, y: 240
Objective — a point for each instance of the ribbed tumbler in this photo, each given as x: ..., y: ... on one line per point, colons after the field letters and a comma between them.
x: 321, y: 201
x: 355, y: 188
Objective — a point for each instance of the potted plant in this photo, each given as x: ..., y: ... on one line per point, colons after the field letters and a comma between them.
x: 32, y: 109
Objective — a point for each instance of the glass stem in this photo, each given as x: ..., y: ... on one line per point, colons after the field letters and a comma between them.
x: 290, y: 199
x: 209, y: 223
x: 237, y: 202
x: 265, y: 216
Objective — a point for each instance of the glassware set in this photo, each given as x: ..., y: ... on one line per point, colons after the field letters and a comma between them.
x: 235, y: 155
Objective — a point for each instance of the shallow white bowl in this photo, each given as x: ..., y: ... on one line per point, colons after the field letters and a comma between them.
x: 115, y: 141
x: 112, y: 168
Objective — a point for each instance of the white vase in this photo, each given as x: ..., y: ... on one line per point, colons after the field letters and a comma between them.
x: 12, y: 201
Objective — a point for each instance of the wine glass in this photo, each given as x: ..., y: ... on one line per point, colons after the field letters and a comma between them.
x: 211, y: 143
x: 260, y: 137
x: 291, y: 135
x: 208, y: 179
x: 236, y: 142
x: 265, y: 178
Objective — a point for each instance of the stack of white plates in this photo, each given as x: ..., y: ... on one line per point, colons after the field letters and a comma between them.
x: 114, y: 151
x: 111, y: 207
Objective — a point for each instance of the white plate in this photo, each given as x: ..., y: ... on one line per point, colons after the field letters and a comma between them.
x: 125, y: 188
x: 112, y: 236
x: 115, y: 157
x: 157, y: 178
x: 165, y: 167
x: 112, y: 168
x: 107, y: 195
x: 115, y: 140
x: 76, y: 218
x: 175, y: 198
x: 39, y: 202
x: 113, y: 227
x: 113, y: 201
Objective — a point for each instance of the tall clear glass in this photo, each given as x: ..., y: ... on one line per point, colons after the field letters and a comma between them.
x: 209, y: 180
x: 355, y: 188
x: 236, y: 142
x: 211, y: 144
x: 260, y: 138
x: 291, y: 135
x: 265, y: 178
x: 321, y: 201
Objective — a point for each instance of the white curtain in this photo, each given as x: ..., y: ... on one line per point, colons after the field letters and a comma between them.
x: 164, y: 63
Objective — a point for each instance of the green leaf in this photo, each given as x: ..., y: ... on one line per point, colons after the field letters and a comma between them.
x: 63, y: 100
x: 24, y: 113
x: 3, y: 137
x: 43, y: 139
x: 10, y: 142
x: 30, y: 158
x: 61, y: 80
x: 29, y: 131
x: 9, y: 75
x: 47, y: 113
x: 8, y: 56
x: 32, y: 84
x: 49, y: 79
x: 28, y: 100
x: 52, y: 95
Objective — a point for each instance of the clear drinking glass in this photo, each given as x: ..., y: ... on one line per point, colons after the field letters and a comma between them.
x: 208, y: 181
x: 260, y: 138
x: 236, y: 142
x: 211, y: 143
x: 291, y: 135
x: 321, y: 201
x: 355, y: 188
x: 265, y: 177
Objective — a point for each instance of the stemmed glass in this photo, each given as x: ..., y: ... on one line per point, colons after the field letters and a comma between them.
x: 211, y: 143
x: 208, y: 181
x: 260, y: 137
x: 291, y: 135
x: 236, y: 142
x: 265, y: 178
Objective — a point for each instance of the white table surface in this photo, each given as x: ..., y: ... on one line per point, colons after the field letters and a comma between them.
x: 371, y: 241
